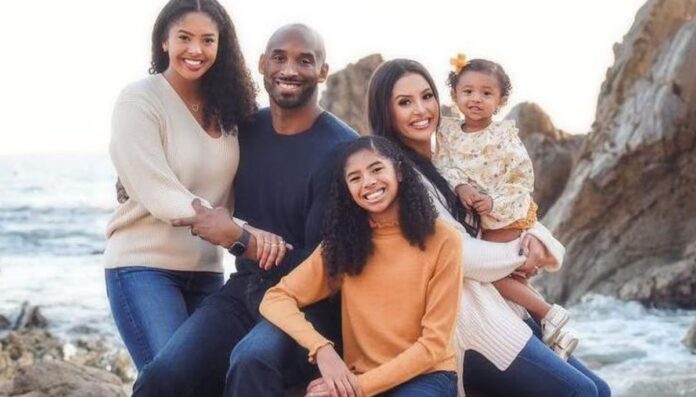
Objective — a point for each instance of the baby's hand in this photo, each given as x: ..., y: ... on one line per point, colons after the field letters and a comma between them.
x: 467, y: 195
x: 483, y: 204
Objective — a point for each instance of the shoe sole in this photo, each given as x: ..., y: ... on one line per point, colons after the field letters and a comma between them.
x: 565, y: 354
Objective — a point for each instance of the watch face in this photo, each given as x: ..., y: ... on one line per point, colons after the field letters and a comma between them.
x: 237, y: 249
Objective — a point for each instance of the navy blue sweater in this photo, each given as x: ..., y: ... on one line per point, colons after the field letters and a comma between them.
x: 283, y: 181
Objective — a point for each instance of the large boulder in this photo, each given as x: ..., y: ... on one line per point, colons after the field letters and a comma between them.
x: 63, y: 379
x: 346, y: 92
x: 628, y: 212
x: 552, y: 152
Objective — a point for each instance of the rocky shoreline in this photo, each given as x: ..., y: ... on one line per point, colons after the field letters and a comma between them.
x: 35, y: 363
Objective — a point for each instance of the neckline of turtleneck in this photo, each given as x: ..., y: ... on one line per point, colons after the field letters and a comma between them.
x: 385, y: 228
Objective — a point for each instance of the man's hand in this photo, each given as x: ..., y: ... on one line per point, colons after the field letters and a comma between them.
x: 217, y: 227
x: 213, y: 225
x: 336, y: 377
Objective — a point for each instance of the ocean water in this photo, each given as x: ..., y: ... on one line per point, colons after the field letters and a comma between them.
x: 53, y: 212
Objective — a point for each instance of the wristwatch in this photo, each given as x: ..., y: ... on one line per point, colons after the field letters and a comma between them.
x: 239, y: 247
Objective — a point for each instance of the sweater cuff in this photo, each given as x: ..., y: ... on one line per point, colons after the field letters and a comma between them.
x: 312, y: 356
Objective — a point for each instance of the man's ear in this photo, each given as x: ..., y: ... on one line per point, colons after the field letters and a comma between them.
x: 503, y: 101
x: 323, y: 72
x: 262, y: 62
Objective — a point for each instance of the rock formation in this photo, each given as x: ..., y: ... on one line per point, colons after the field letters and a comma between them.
x: 552, y: 152
x: 346, y: 92
x: 34, y: 363
x: 59, y: 378
x: 628, y: 212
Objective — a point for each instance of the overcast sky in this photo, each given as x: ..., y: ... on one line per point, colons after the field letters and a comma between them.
x: 64, y: 63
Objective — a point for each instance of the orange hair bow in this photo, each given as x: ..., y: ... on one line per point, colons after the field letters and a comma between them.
x: 458, y: 62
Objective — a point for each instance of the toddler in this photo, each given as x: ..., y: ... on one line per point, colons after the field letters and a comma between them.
x: 491, y: 172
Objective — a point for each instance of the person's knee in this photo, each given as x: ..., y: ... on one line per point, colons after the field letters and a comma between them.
x: 159, y: 379
x: 585, y: 388
x: 258, y: 350
x: 603, y: 389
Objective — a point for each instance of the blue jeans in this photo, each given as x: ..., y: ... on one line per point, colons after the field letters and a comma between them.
x: 195, y: 362
x: 435, y: 384
x: 149, y: 304
x: 267, y: 360
x: 536, y: 372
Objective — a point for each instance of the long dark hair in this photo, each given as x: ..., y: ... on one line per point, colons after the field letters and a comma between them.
x: 379, y: 95
x: 347, y: 234
x: 228, y: 90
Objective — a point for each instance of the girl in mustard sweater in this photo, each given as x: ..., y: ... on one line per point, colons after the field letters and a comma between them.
x: 399, y: 273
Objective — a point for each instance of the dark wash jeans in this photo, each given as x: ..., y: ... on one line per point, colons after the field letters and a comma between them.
x: 267, y: 360
x: 536, y: 372
x: 196, y: 359
x: 149, y: 304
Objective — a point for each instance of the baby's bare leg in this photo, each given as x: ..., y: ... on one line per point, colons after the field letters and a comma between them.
x: 518, y: 291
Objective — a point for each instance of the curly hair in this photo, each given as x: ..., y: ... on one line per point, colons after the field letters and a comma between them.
x: 228, y: 90
x: 346, y: 233
x: 379, y: 99
x: 483, y: 66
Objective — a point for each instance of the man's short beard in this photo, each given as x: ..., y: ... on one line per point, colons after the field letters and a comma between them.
x: 291, y: 102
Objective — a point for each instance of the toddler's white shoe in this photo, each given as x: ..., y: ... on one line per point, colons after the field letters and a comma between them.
x: 564, y: 345
x: 553, y: 322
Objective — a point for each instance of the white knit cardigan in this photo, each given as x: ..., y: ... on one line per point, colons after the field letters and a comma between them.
x: 487, y: 323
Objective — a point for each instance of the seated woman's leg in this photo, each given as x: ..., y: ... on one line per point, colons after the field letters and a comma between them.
x: 267, y: 360
x: 195, y: 360
x: 603, y: 389
x: 148, y: 306
x: 436, y: 384
x: 536, y: 372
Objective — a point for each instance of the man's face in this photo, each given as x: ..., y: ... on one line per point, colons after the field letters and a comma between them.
x: 291, y: 70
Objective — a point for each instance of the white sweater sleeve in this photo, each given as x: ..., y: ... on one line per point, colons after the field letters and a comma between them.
x: 555, y: 248
x: 487, y: 261
x: 137, y: 152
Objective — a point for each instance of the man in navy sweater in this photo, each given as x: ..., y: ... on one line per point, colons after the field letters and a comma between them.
x: 281, y: 187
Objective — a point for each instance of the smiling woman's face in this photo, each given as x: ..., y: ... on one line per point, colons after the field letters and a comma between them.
x: 415, y: 111
x: 192, y: 45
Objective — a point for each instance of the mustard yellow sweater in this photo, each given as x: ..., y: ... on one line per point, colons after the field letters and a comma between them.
x: 399, y: 313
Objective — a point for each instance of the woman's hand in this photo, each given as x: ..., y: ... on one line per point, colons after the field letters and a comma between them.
x: 537, y: 256
x: 336, y: 377
x: 270, y: 248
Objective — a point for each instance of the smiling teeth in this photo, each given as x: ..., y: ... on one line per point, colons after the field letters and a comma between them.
x: 374, y: 195
x: 421, y: 124
x: 192, y: 62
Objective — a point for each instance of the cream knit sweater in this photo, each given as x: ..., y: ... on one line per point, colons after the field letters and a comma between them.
x: 487, y: 323
x: 164, y: 160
